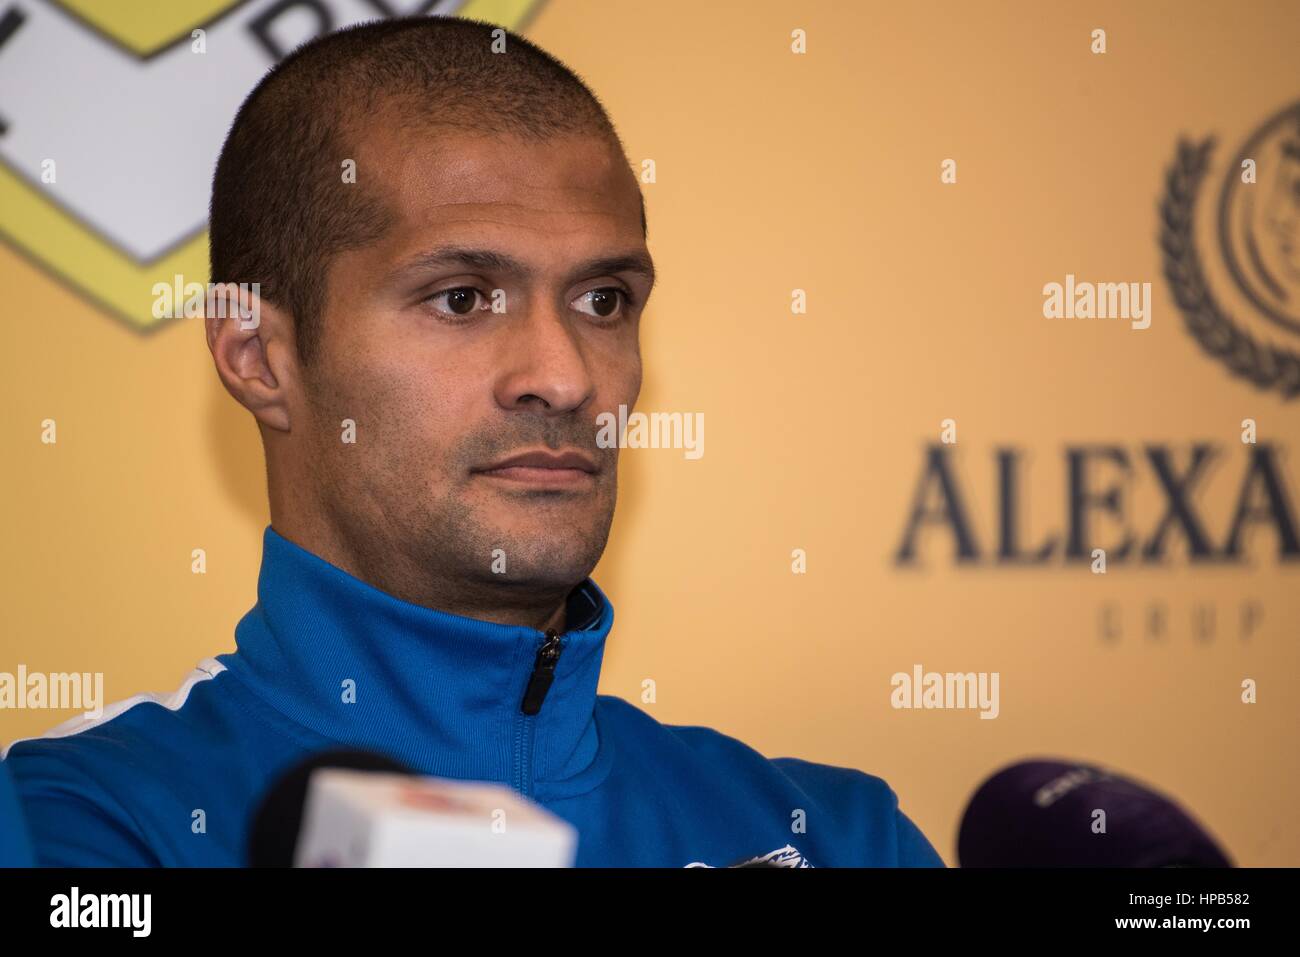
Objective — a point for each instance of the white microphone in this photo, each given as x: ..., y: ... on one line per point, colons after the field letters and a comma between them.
x: 368, y: 819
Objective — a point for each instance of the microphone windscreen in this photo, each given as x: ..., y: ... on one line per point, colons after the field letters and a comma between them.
x: 277, y: 821
x: 1062, y: 814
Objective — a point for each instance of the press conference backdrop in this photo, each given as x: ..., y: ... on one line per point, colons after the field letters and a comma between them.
x: 904, y: 251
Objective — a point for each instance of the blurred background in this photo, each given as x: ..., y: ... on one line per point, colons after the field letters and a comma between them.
x: 824, y: 171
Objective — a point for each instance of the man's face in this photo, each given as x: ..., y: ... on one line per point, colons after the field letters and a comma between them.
x: 445, y: 391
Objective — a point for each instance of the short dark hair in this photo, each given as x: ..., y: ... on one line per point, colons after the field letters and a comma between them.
x: 278, y: 216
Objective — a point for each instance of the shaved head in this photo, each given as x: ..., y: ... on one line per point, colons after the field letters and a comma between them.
x: 281, y: 205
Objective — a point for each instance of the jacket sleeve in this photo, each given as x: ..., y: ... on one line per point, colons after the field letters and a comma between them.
x: 69, y: 822
x: 15, y: 844
x: 913, y: 848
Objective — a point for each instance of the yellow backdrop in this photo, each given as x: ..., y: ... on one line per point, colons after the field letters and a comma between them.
x: 821, y: 171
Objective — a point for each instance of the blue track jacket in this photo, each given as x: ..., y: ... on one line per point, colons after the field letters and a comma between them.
x: 444, y: 695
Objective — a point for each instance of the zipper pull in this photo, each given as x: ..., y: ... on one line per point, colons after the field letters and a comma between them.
x: 543, y: 673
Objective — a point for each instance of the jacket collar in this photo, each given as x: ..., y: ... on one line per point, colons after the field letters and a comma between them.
x: 437, y: 691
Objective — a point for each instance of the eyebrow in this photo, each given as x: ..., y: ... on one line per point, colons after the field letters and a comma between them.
x: 490, y: 260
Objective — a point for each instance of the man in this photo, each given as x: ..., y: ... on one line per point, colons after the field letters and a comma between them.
x: 15, y: 848
x: 450, y: 250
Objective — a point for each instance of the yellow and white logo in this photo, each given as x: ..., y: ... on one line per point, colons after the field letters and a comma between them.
x: 112, y: 116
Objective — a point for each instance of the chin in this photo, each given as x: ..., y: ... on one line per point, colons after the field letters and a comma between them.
x: 550, y: 555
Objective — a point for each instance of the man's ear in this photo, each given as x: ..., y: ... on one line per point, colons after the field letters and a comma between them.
x: 254, y: 349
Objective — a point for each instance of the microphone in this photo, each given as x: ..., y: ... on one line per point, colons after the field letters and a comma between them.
x: 277, y: 821
x: 1059, y: 814
x: 353, y: 809
x: 15, y: 845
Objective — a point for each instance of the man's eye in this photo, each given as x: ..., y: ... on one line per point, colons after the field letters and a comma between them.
x: 604, y: 303
x: 461, y: 301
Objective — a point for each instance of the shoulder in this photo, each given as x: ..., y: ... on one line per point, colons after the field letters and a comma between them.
x: 121, y: 721
x: 862, y: 808
x: 709, y: 744
x: 88, y: 783
x: 121, y: 715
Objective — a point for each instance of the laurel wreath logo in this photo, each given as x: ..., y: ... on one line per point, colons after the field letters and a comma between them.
x: 1265, y: 366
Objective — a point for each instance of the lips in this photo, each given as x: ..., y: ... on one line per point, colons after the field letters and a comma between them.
x: 544, y: 468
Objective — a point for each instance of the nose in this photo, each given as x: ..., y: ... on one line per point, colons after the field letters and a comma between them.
x: 544, y: 367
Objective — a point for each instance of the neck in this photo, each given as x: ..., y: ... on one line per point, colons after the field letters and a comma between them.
x: 393, y: 572
x: 440, y: 693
